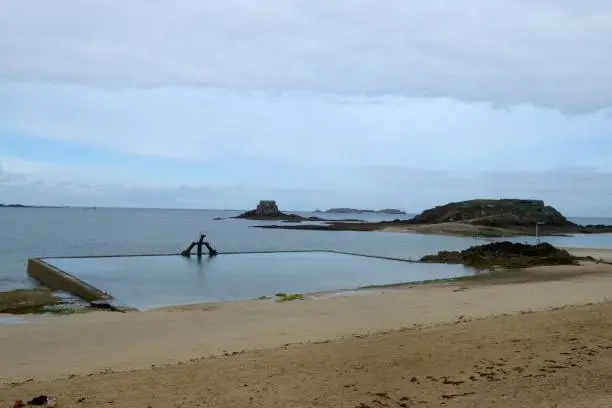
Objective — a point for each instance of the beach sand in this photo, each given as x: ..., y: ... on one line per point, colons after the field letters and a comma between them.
x: 493, y: 343
x: 446, y: 228
x: 597, y: 253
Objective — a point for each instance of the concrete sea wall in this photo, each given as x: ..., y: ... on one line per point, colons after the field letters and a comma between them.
x: 56, y: 279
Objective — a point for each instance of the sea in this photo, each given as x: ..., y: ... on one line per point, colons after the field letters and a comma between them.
x: 64, y: 232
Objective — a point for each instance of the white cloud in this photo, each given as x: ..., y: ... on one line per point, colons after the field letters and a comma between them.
x: 316, y: 130
x: 315, y: 104
x: 7, y: 176
x: 574, y: 191
x: 4, y: 175
x: 549, y: 53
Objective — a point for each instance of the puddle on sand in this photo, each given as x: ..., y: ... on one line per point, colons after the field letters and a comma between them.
x: 6, y: 320
x: 345, y: 293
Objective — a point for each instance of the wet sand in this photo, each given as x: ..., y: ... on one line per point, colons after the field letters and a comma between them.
x: 452, y: 228
x: 597, y: 253
x: 463, y: 344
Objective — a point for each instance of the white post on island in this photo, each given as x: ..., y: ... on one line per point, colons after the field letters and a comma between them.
x: 537, y: 231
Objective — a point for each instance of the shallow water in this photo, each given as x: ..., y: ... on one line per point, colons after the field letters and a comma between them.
x: 147, y: 282
x: 46, y: 232
x: 42, y: 232
x: 6, y: 320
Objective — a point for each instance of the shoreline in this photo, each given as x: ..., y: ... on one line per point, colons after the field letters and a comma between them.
x: 460, y: 229
x: 554, y: 357
x: 84, y: 343
x: 544, y: 273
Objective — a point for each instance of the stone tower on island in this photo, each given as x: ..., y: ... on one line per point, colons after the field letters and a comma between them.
x: 267, y: 208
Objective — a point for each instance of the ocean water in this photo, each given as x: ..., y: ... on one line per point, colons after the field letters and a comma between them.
x: 62, y: 232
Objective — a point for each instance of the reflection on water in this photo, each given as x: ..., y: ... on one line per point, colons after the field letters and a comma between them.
x: 12, y: 320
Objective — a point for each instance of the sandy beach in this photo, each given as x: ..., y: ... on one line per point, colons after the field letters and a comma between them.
x: 597, y: 253
x: 460, y: 229
x: 498, y: 342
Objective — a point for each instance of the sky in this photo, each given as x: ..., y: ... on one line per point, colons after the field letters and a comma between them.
x: 316, y: 104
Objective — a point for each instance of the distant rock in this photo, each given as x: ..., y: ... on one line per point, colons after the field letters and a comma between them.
x: 343, y: 210
x: 268, y: 210
x: 360, y: 211
x: 393, y: 211
x: 14, y: 205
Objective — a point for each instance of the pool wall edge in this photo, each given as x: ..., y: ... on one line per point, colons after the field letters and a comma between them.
x: 281, y: 251
x: 56, y: 279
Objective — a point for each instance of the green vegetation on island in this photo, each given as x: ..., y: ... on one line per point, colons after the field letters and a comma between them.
x: 494, y: 213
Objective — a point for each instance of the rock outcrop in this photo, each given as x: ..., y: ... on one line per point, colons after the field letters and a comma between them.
x: 505, y: 254
x: 268, y: 210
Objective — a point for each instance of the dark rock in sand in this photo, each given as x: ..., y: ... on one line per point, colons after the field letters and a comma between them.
x: 24, y: 301
x: 505, y: 254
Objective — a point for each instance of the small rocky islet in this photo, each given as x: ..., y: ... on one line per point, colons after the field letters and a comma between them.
x: 267, y: 210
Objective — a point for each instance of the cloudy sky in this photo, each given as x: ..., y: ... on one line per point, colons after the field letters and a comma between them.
x: 314, y: 103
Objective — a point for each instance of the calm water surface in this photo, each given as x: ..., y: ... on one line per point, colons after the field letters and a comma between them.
x: 147, y: 282
x: 41, y: 232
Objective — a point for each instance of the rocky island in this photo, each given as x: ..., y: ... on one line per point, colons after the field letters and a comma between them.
x: 267, y: 210
x: 482, y: 217
x: 360, y: 211
x: 3, y: 205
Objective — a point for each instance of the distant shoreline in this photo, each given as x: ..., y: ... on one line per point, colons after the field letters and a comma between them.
x: 385, y: 211
x: 459, y: 229
x: 34, y: 206
x: 302, y: 211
